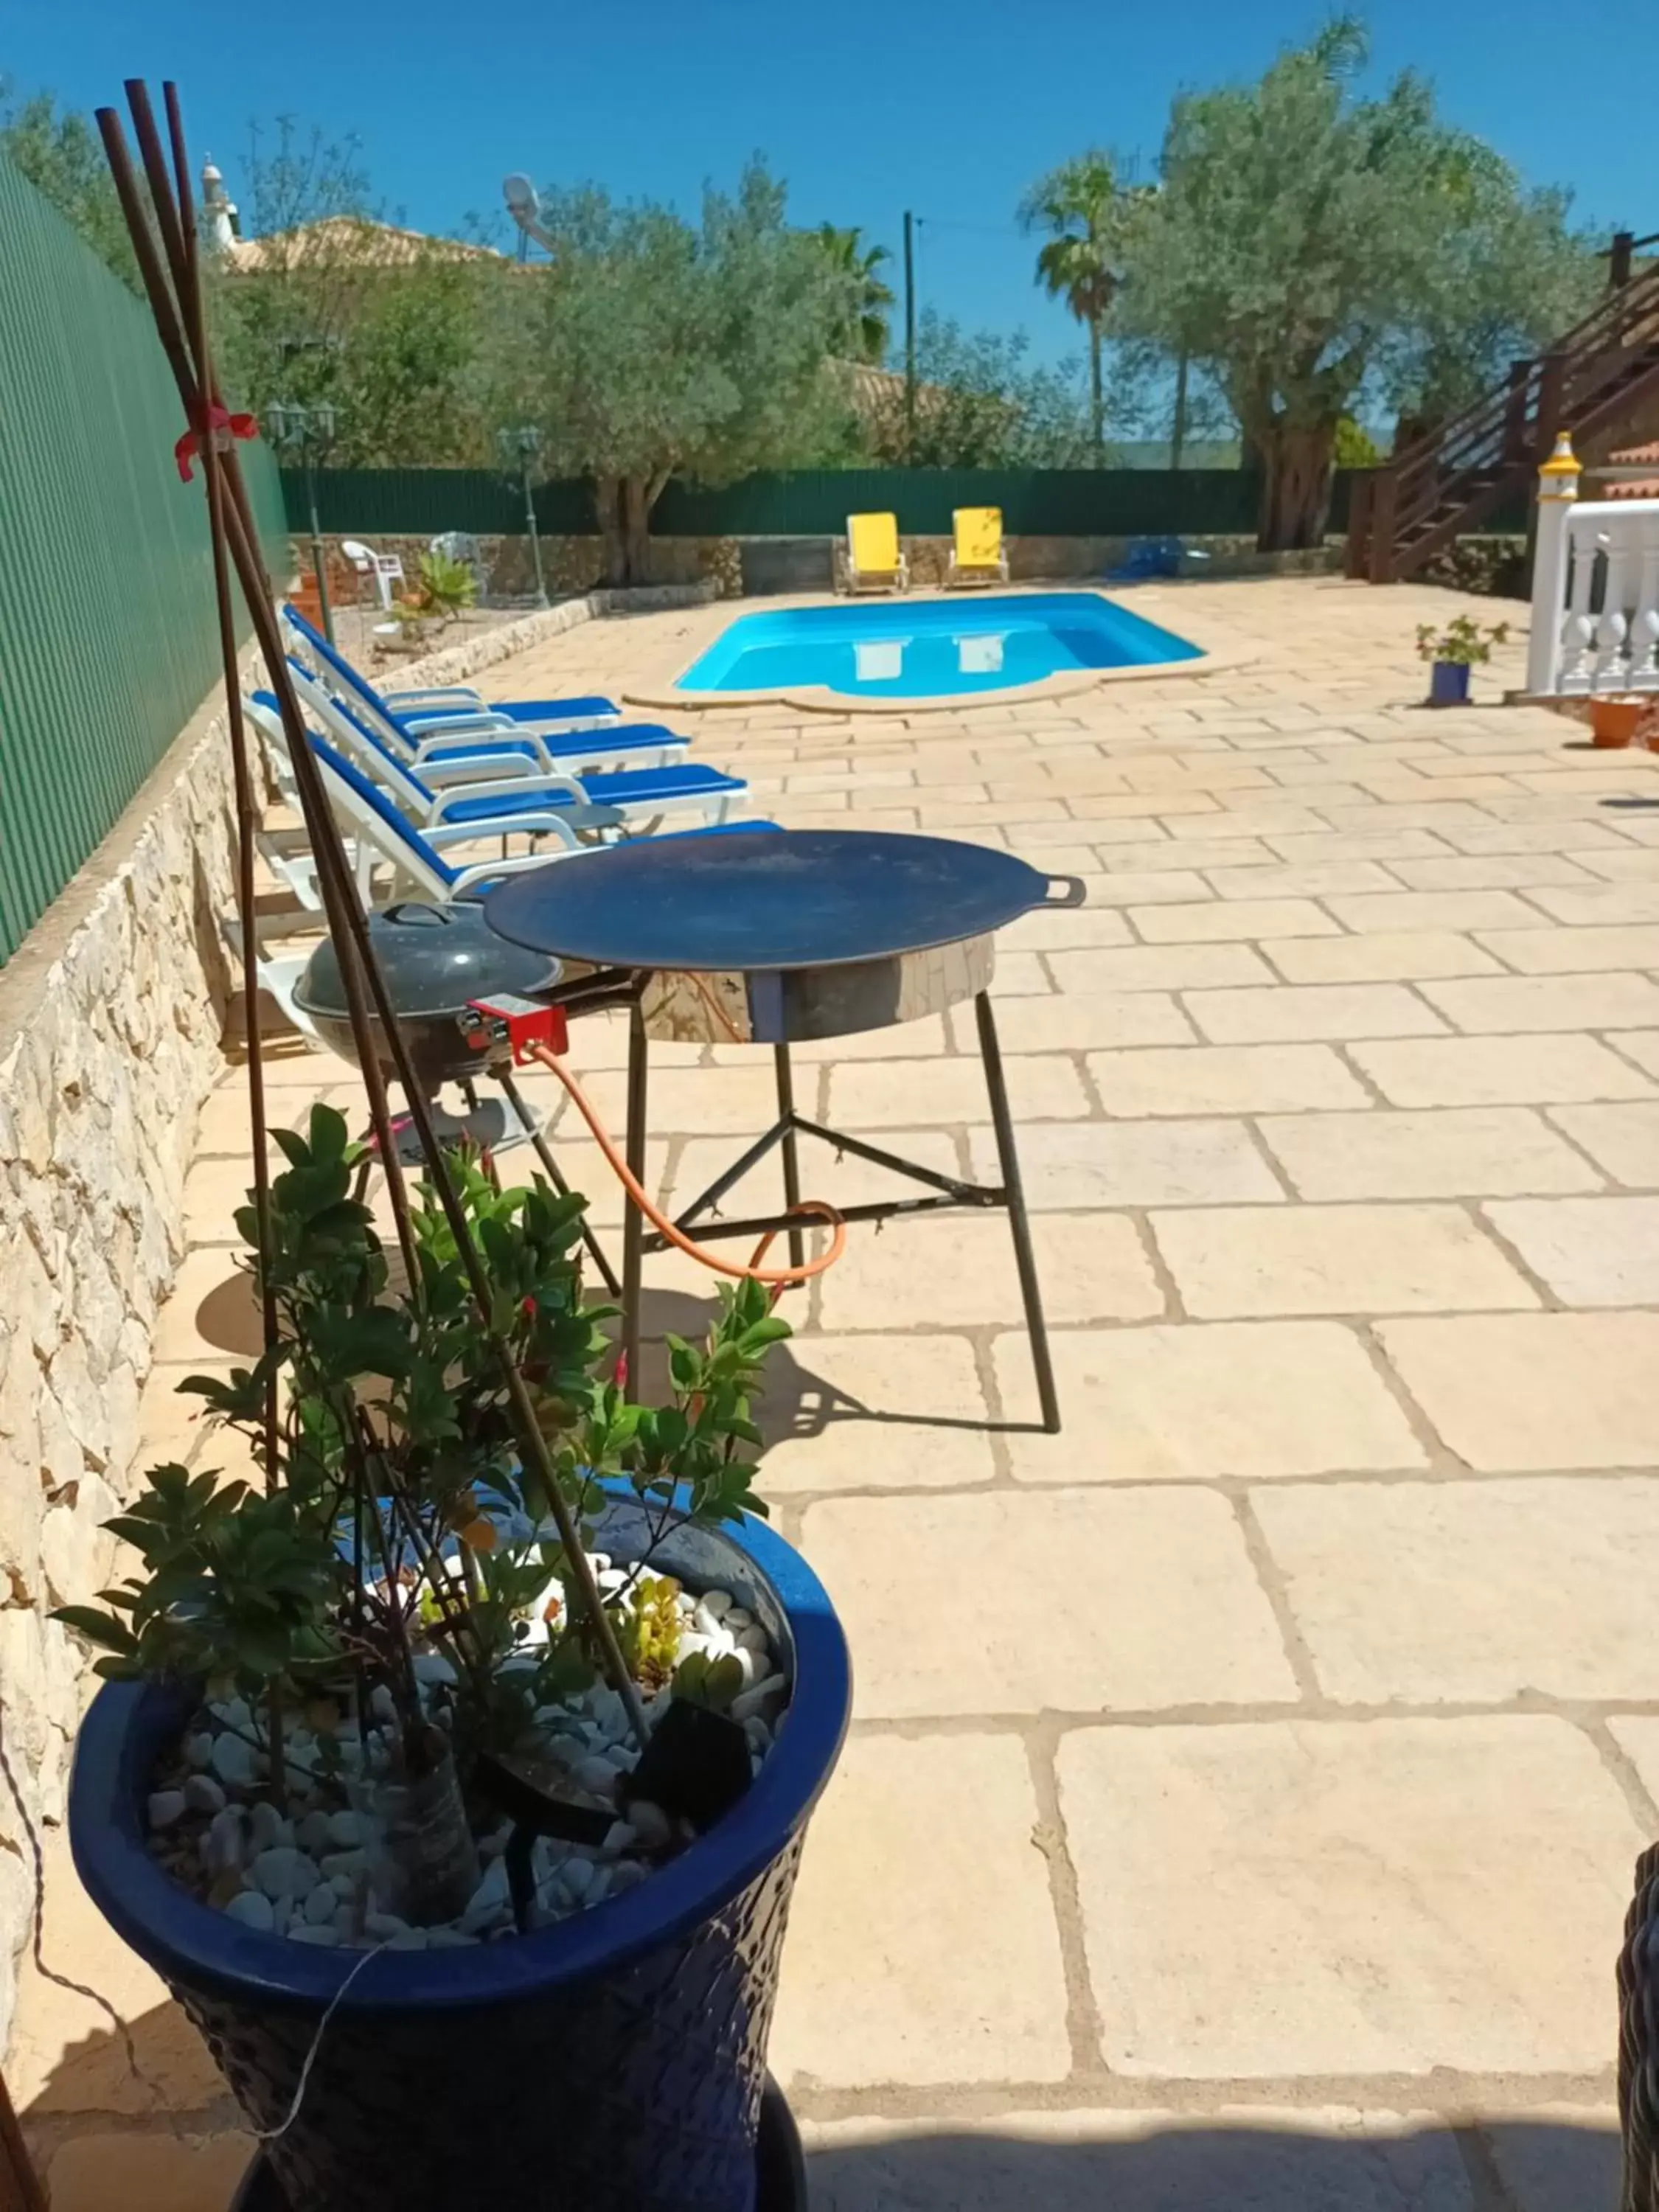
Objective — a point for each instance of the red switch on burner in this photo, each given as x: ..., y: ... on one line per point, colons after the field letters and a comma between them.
x: 517, y: 1024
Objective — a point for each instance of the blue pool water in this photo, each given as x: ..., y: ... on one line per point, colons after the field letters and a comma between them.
x: 930, y: 648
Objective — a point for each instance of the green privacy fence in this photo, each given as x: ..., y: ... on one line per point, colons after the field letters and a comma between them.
x: 108, y: 637
x: 805, y: 503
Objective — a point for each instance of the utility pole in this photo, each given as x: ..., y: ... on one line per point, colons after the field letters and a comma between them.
x: 910, y: 336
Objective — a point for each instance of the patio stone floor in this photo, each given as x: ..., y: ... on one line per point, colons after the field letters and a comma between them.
x: 1244, y: 1785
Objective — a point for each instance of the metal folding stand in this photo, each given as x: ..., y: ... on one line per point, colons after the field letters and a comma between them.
x: 947, y: 1192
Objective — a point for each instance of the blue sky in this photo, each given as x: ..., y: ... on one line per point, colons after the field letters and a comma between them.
x: 950, y: 108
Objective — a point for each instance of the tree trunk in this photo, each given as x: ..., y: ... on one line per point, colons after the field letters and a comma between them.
x: 608, y: 511
x: 1097, y: 400
x: 637, y: 502
x: 1296, y: 462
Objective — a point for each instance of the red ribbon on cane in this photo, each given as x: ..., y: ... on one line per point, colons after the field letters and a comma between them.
x: 219, y: 418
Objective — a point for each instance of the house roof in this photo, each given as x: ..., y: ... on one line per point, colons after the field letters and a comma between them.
x: 348, y: 237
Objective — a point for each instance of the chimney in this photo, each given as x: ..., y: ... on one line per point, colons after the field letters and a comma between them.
x: 218, y: 214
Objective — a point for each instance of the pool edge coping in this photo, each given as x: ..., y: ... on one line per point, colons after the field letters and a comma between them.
x: 1223, y: 657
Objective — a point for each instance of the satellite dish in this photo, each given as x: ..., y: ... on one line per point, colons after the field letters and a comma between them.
x: 521, y: 196
x: 524, y: 204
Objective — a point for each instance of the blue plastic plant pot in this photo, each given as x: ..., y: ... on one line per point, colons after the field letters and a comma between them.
x: 1449, y: 683
x: 612, y: 2063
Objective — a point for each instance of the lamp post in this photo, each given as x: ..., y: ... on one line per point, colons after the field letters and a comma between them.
x: 307, y: 433
x: 522, y: 444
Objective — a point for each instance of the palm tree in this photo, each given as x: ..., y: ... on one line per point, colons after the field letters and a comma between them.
x: 1086, y: 211
x: 871, y: 298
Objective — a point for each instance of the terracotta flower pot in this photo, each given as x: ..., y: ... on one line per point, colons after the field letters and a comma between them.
x: 1613, y: 721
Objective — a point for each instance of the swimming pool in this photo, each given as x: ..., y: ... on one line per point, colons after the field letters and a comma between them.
x: 930, y: 648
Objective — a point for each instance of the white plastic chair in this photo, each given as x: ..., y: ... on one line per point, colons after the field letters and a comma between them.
x: 385, y: 568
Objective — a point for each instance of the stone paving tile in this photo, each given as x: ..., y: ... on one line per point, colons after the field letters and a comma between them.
x: 1167, y: 1611
x: 1070, y: 1163
x: 1224, y: 1079
x: 1637, y: 1737
x: 1452, y: 1152
x: 1335, y: 1260
x: 1255, y: 1400
x: 1616, y: 904
x: 1489, y: 1004
x: 1068, y: 928
x: 1194, y: 853
x: 1563, y: 952
x: 1518, y: 872
x: 1397, y: 910
x: 1368, y: 1877
x: 695, y: 1100
x: 1386, y: 842
x: 183, y: 2172
x: 1091, y: 1267
x: 1589, y: 1251
x: 1404, y: 957
x: 893, y: 1093
x: 1475, y: 1591
x: 945, y: 1968
x: 1622, y: 1140
x: 1334, y: 1011
x: 1019, y: 974
x: 1528, y: 1393
x: 1642, y: 1046
x: 1516, y: 1071
x: 1300, y: 880
x: 844, y: 1412
x: 1072, y: 1021
x: 211, y: 1314
x: 1235, y: 919
x: 1248, y: 819
x: 1556, y: 2157
x: 1159, y: 968
x: 1272, y: 2159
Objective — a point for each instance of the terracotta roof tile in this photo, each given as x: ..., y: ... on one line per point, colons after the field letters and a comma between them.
x: 1633, y: 488
x: 1634, y: 456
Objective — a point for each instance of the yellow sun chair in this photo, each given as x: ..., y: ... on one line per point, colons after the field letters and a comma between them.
x: 978, y: 555
x: 874, y: 561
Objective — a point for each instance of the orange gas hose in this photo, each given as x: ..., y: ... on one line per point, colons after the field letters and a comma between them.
x: 782, y: 1277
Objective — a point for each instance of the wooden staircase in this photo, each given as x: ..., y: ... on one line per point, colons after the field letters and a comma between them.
x: 1449, y: 481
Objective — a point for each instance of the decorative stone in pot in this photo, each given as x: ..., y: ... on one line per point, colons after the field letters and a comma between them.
x: 613, y: 2062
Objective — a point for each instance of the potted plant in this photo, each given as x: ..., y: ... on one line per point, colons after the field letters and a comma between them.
x: 1619, y: 721
x: 1462, y: 645
x: 362, y: 1783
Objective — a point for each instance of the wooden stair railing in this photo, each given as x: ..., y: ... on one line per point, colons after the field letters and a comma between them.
x: 1447, y: 482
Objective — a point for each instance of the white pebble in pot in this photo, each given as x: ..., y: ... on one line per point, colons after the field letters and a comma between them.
x: 166, y: 1807
x: 253, y: 1910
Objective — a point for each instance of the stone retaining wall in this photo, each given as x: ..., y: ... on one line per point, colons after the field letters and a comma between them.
x: 569, y: 564
x: 574, y: 564
x: 110, y: 1020
x: 111, y: 1017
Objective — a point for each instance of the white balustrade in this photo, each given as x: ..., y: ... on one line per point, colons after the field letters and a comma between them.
x: 1589, y: 550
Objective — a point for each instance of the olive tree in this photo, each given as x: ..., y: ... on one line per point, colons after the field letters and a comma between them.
x: 1304, y: 240
x: 326, y: 303
x: 651, y: 347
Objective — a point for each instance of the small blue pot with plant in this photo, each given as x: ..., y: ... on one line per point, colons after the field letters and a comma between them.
x: 470, y: 1860
x: 1452, y: 653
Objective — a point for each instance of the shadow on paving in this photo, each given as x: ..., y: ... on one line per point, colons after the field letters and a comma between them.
x: 1104, y: 2161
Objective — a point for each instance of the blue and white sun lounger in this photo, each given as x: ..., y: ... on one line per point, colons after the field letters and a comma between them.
x: 380, y: 835
x: 635, y: 798
x: 458, y: 700
x: 443, y: 758
x: 569, y: 733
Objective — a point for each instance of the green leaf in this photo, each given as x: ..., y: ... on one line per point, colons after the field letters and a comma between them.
x: 97, y: 1627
